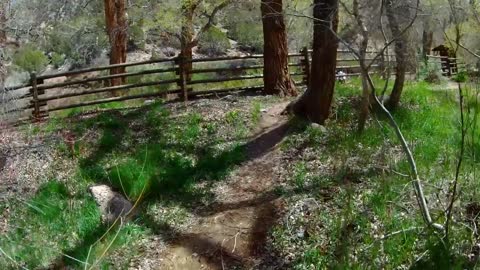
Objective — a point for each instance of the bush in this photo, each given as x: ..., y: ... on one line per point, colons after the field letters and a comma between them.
x: 249, y: 36
x: 136, y: 37
x: 79, y: 40
x: 431, y: 73
x: 57, y: 59
x: 30, y: 59
x: 461, y: 77
x: 214, y: 42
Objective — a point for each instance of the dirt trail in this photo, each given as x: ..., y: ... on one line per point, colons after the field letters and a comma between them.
x: 232, y: 232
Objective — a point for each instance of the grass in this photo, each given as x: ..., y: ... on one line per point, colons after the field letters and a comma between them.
x: 169, y: 162
x: 372, y: 201
x: 41, y: 222
x: 170, y: 159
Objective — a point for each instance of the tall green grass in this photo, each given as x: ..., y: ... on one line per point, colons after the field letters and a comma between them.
x: 372, y: 202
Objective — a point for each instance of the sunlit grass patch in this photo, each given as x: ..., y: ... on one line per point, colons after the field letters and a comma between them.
x: 54, y: 220
x: 372, y: 207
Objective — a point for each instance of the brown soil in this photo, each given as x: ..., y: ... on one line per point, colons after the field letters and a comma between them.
x: 232, y: 232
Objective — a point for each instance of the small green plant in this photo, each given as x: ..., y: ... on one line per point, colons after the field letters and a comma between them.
x: 30, y: 59
x: 300, y: 174
x: 461, y: 77
x: 211, y: 128
x: 57, y: 59
x: 256, y: 112
x: 232, y: 117
x: 430, y: 72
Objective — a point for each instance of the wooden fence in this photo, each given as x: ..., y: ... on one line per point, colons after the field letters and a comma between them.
x: 449, y: 66
x: 176, y: 80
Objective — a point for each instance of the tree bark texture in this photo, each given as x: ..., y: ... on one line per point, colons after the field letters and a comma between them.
x: 316, y: 103
x: 397, y: 13
x: 363, y: 46
x: 187, y: 36
x: 427, y: 40
x: 116, y: 23
x: 3, y: 22
x: 276, y: 75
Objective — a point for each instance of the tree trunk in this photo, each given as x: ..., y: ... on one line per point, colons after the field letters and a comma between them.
x: 187, y: 36
x: 3, y: 41
x: 427, y: 40
x: 365, y: 106
x: 276, y: 75
x: 3, y: 22
x: 394, y: 12
x: 116, y: 22
x: 315, y: 104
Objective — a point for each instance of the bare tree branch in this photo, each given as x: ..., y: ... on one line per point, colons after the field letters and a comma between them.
x: 454, y: 187
x: 417, y: 183
x: 210, y: 22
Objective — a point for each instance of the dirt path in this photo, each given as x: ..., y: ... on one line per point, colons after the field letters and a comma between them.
x: 232, y: 233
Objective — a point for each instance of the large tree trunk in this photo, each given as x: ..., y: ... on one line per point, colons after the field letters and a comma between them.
x: 276, y: 75
x: 396, y: 14
x: 116, y: 22
x: 316, y: 103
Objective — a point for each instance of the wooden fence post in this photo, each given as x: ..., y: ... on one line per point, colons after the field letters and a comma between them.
x: 306, y: 66
x: 34, y: 92
x: 183, y: 77
x: 382, y: 66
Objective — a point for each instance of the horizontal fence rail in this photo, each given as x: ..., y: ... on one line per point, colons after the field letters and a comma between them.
x: 173, y: 77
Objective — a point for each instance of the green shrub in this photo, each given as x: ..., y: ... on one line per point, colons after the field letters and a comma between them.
x: 249, y: 36
x: 58, y: 41
x: 461, y: 77
x: 214, y: 42
x: 57, y: 59
x: 80, y: 40
x: 30, y: 59
x: 136, y: 36
x: 430, y: 72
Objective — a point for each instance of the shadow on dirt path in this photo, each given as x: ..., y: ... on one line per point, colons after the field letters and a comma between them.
x: 232, y: 232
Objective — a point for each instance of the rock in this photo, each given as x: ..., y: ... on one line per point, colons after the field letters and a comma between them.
x: 301, y: 233
x: 149, y: 102
x: 169, y: 51
x: 112, y: 204
x: 323, y: 129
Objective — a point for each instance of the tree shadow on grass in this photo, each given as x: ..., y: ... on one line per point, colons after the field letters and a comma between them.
x: 162, y: 170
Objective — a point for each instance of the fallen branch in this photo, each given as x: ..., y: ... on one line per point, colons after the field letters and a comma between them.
x: 422, y: 202
x: 454, y: 187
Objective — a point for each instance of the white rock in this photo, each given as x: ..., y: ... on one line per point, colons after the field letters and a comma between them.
x: 301, y: 233
x: 148, y: 102
x: 111, y: 204
x: 323, y: 129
